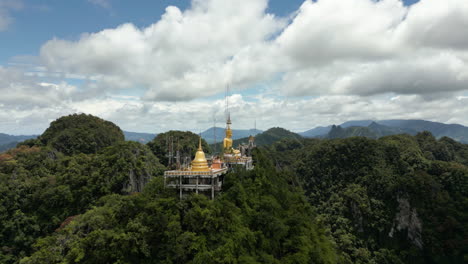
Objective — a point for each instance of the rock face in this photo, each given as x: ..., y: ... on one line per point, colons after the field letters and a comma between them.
x: 137, y: 180
x: 407, y: 219
x: 128, y: 166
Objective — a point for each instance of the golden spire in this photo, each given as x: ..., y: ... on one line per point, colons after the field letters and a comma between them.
x: 229, y: 119
x: 227, y: 142
x: 200, y: 163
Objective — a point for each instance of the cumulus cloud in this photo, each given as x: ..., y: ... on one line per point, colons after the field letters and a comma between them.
x: 21, y: 91
x: 353, y: 59
x: 423, y: 74
x: 356, y: 47
x: 296, y: 114
x: 182, y: 56
x: 329, y: 30
x: 436, y: 24
x: 364, y: 47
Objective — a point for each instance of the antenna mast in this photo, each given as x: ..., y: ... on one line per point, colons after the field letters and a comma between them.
x: 178, y: 155
x: 227, y: 102
x: 214, y: 134
x: 171, y: 152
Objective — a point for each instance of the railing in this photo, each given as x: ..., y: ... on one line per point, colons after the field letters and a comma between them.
x: 195, y: 173
x: 232, y: 159
x: 194, y: 186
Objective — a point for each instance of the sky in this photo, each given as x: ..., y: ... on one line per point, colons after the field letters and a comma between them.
x: 155, y: 65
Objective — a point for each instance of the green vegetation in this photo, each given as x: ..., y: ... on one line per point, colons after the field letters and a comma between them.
x: 339, y: 132
x: 272, y: 135
x: 374, y: 131
x: 259, y: 218
x: 399, y: 199
x: 40, y: 187
x: 81, y: 133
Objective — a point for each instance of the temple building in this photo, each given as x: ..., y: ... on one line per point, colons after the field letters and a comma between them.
x: 199, y: 177
x: 202, y: 177
x: 235, y: 158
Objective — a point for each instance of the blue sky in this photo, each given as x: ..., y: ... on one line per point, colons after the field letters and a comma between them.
x: 164, y: 64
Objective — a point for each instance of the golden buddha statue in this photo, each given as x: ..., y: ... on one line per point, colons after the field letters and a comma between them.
x: 227, y: 142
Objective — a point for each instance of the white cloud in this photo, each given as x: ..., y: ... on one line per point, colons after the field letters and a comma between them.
x: 21, y: 91
x: 437, y: 24
x: 182, y: 56
x: 364, y: 47
x: 329, y: 30
x: 357, y: 47
x: 420, y: 74
x: 5, y: 7
x: 360, y: 59
x: 155, y: 117
x: 102, y: 3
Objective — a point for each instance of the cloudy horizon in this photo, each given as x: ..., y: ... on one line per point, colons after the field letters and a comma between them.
x: 296, y: 65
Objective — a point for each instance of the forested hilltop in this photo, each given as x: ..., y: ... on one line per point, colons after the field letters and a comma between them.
x: 47, y: 181
x: 398, y: 199
x: 81, y: 194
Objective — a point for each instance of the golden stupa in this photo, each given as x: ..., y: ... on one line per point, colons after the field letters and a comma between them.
x: 200, y: 163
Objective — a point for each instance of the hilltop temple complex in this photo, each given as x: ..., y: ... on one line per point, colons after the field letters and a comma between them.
x: 235, y: 157
x: 206, y: 175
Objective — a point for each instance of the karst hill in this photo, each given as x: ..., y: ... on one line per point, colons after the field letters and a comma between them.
x: 79, y: 193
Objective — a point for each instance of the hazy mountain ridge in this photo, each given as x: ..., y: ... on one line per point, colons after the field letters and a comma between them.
x: 10, y: 141
x: 267, y: 137
x: 139, y: 137
x: 5, y: 138
x: 8, y: 146
x: 208, y: 134
x: 375, y: 129
x: 270, y: 136
x: 316, y: 132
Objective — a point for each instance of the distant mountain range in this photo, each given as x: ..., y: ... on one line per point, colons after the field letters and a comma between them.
x: 5, y: 139
x: 139, y: 137
x: 9, y: 141
x: 267, y: 137
x: 365, y: 128
x: 376, y: 129
x: 208, y: 134
x: 270, y: 136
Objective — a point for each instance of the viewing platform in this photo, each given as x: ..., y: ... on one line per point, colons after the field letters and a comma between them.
x: 195, y: 181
